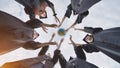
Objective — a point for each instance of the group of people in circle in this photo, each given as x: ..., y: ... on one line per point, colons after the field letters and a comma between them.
x: 16, y: 33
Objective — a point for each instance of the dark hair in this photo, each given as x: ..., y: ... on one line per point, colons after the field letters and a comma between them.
x: 84, y: 39
x: 43, y: 17
x: 71, y: 58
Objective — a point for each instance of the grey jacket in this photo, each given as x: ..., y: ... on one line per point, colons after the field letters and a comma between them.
x: 79, y: 63
x: 80, y: 6
x: 107, y: 41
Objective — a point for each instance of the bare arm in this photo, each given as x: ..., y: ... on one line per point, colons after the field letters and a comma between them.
x: 78, y: 50
x: 51, y: 5
x: 57, y: 52
x: 44, y: 49
x: 67, y: 14
x: 50, y: 25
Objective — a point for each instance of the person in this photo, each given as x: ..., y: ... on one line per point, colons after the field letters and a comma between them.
x: 42, y: 61
x: 80, y: 8
x: 78, y: 62
x: 105, y: 40
x: 37, y: 7
x: 14, y: 34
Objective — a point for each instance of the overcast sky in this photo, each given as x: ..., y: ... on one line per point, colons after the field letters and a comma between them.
x: 104, y: 14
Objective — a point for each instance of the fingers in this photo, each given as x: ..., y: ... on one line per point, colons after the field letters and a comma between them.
x: 44, y: 28
x: 78, y: 29
x: 60, y: 43
x: 75, y: 28
x: 52, y: 37
x: 57, y: 19
x: 70, y: 37
x: 62, y: 40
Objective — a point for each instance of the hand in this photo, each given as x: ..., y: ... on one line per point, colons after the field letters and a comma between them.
x: 57, y: 19
x: 53, y: 35
x: 70, y: 37
x: 62, y: 40
x: 78, y: 29
x: 44, y: 28
x: 75, y: 28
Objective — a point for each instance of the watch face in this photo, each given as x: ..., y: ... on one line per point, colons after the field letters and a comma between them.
x: 88, y: 39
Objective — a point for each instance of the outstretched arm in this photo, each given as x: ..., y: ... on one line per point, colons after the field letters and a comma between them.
x: 43, y: 25
x: 90, y: 29
x: 71, y: 26
x: 32, y: 45
x: 57, y: 53
x: 79, y: 19
x: 44, y: 49
x: 78, y: 50
x: 67, y: 14
x: 62, y: 61
x: 50, y: 25
x: 59, y: 56
x: 68, y: 11
x: 51, y: 5
x: 47, y: 43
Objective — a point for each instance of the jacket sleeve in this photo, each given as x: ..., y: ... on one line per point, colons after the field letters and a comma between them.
x: 43, y: 50
x: 92, y: 30
x: 89, y: 48
x: 31, y: 45
x: 81, y: 16
x: 80, y: 53
x: 88, y: 30
x: 62, y: 61
x: 56, y: 56
x: 68, y: 11
x: 51, y: 5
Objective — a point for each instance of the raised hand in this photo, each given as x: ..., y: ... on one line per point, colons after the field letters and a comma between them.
x: 44, y: 28
x: 70, y: 37
x: 57, y: 19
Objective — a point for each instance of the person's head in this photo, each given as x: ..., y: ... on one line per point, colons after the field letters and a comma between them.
x: 40, y: 9
x: 88, y: 39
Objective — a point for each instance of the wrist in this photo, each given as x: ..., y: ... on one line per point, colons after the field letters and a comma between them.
x: 54, y: 14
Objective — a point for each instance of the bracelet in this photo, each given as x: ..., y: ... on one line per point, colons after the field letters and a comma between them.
x: 54, y: 14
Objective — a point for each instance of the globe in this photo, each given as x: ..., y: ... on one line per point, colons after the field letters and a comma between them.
x: 61, y: 32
